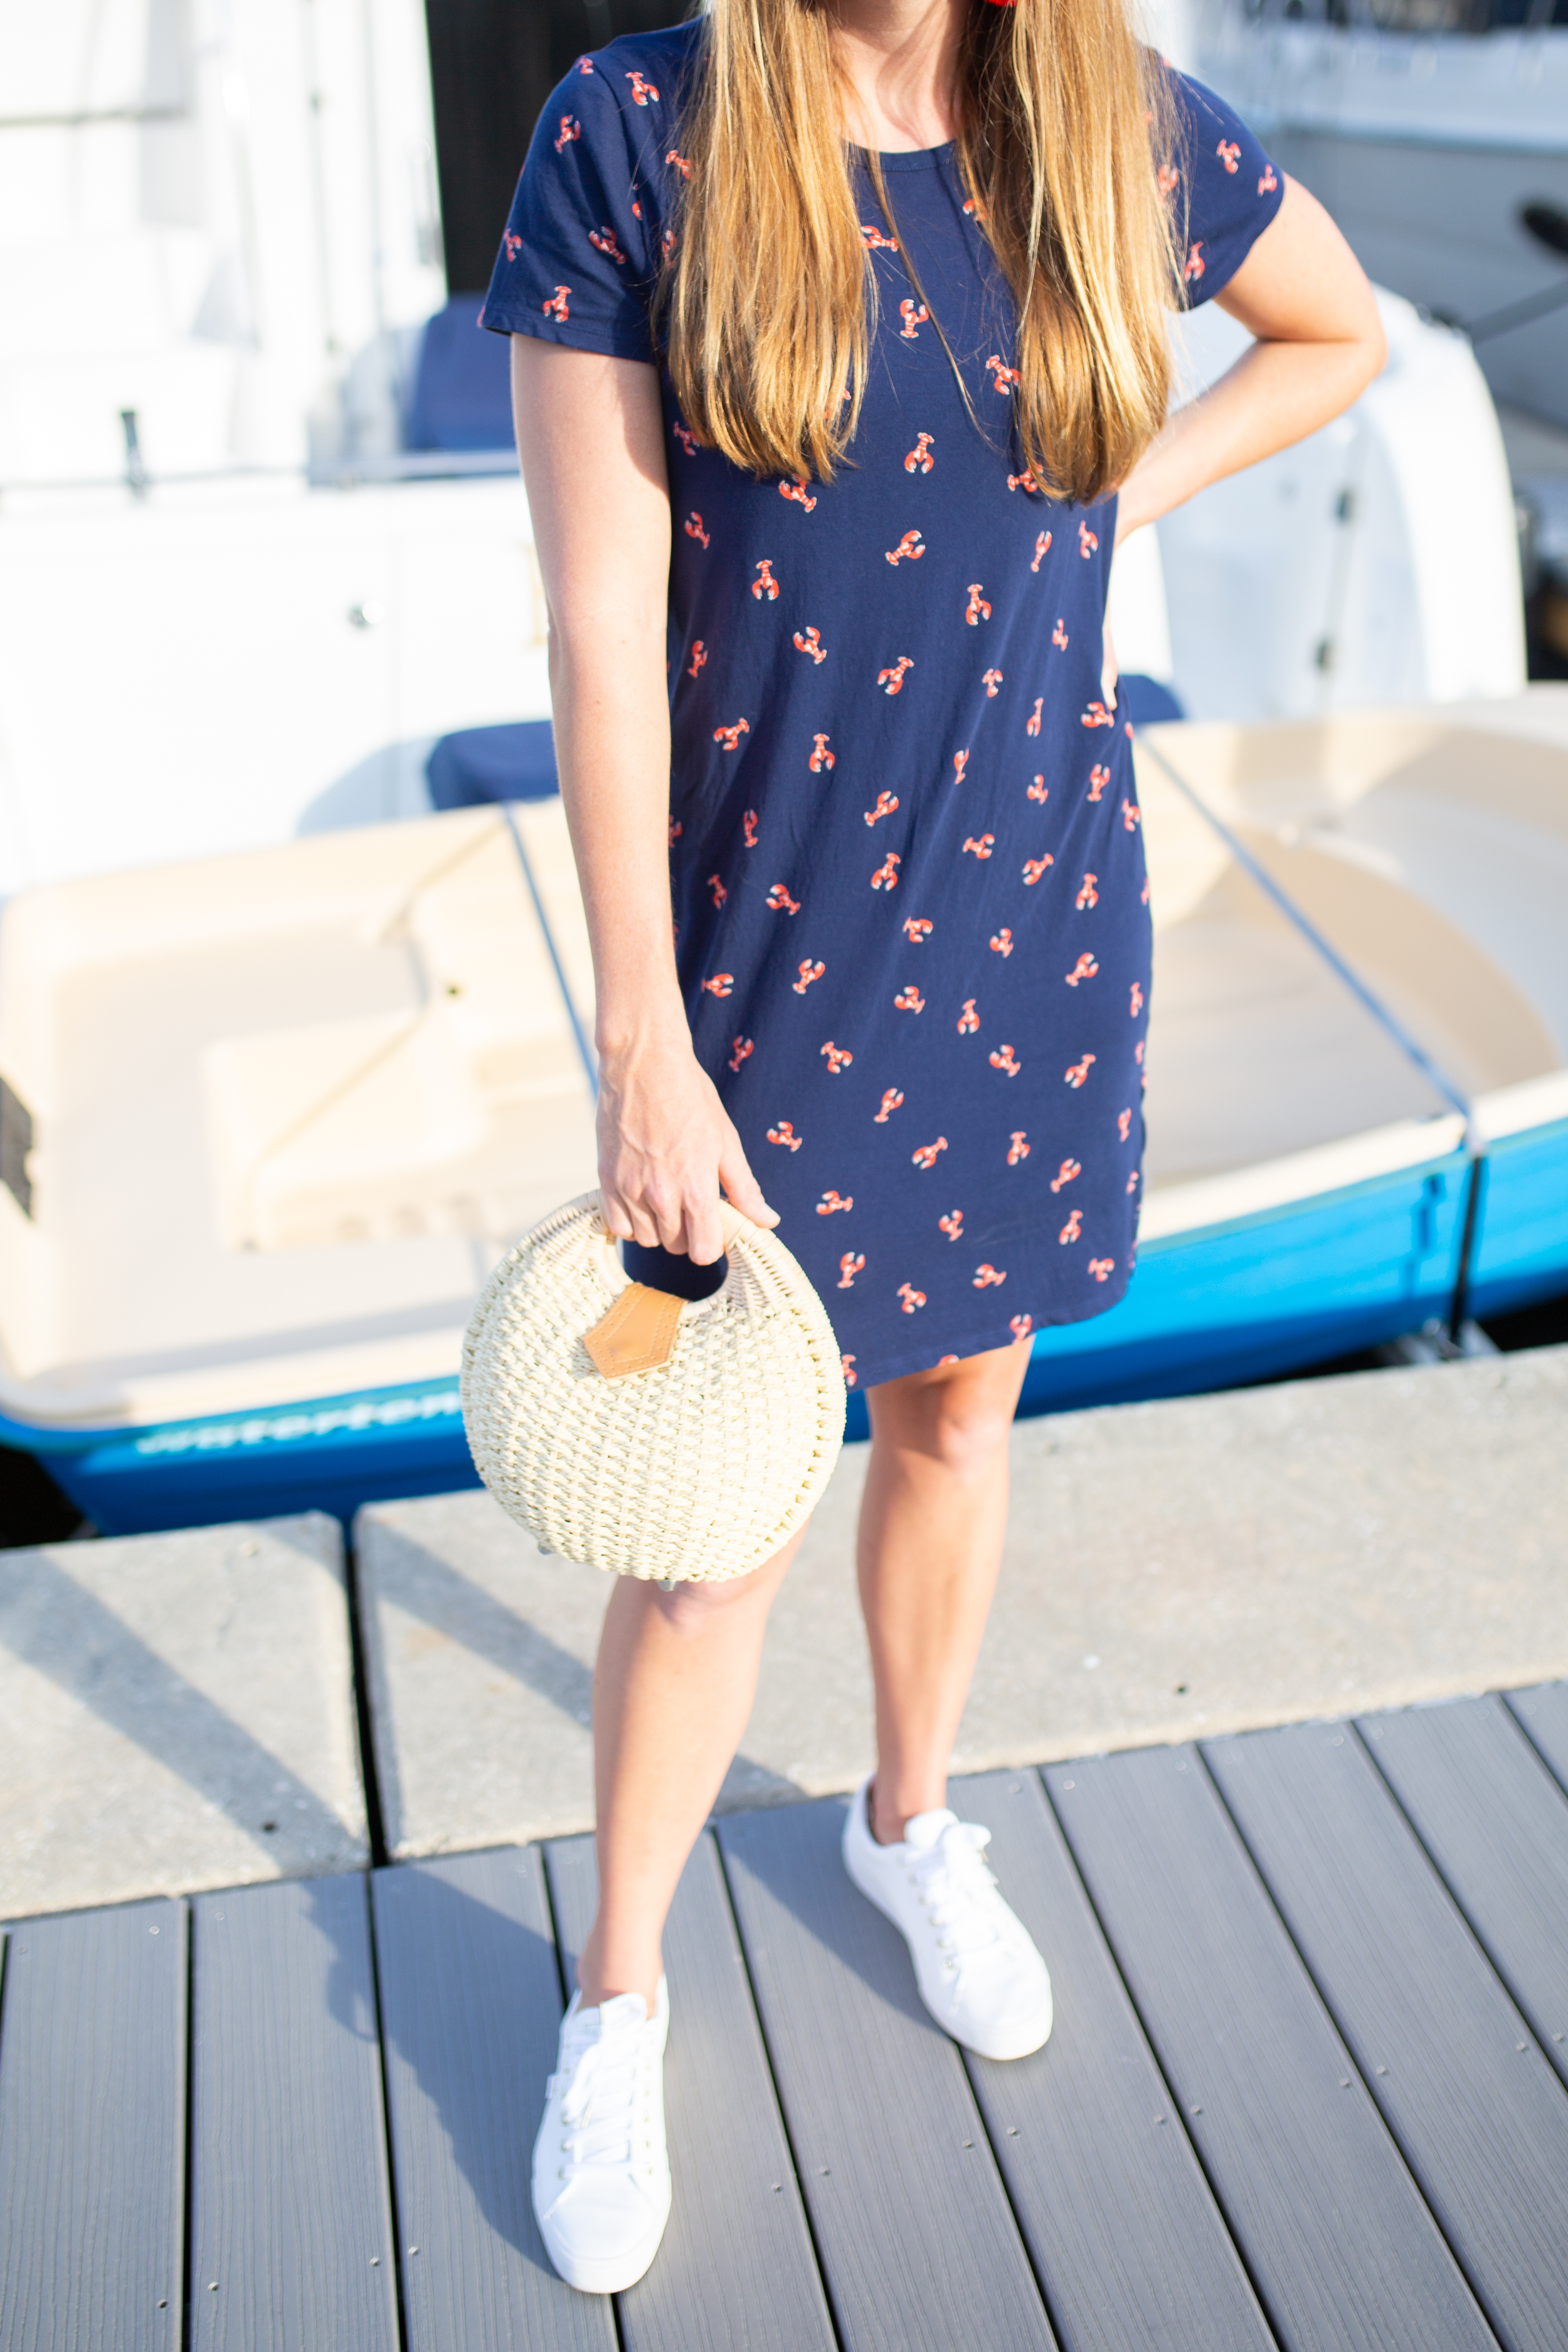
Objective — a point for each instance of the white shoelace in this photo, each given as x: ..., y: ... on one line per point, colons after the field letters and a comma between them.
x: 955, y: 1888
x: 599, y: 2107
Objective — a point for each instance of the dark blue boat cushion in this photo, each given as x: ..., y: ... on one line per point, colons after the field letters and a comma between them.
x: 1144, y: 700
x: 462, y: 388
x: 493, y: 763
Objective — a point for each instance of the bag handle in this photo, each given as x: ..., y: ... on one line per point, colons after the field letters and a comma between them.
x: 733, y: 1225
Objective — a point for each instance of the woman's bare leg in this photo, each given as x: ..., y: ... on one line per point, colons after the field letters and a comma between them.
x: 931, y: 1525
x: 676, y: 1675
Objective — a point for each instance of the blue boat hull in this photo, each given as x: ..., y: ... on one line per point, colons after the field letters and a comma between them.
x: 1264, y: 1294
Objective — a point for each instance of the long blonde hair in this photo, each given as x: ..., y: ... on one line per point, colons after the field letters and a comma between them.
x: 1064, y: 123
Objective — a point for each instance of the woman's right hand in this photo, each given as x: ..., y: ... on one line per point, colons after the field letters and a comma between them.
x: 665, y: 1146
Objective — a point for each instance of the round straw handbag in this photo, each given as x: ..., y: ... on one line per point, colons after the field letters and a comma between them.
x: 685, y: 1440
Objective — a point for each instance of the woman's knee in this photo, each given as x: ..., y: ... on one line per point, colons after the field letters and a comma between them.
x: 962, y: 1421
x: 696, y: 1607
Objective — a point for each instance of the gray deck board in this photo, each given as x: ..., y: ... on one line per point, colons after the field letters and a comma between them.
x: 1475, y: 2107
x: 919, y: 2246
x: 1111, y: 2201
x: 1496, y: 1824
x: 1343, y: 2252
x: 290, y: 2228
x: 92, y: 2127
x: 1543, y: 1712
x: 736, y: 2268
x: 470, y: 2000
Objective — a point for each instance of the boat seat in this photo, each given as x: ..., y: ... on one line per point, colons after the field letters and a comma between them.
x: 515, y: 763
x: 462, y: 386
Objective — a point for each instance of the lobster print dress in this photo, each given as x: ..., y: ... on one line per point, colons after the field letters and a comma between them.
x: 912, y: 923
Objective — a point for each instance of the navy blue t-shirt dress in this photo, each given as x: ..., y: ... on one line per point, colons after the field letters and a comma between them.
x: 911, y: 910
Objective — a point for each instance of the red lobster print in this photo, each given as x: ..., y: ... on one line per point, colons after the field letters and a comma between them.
x: 838, y: 1057
x: 764, y: 584
x: 699, y: 656
x: 556, y: 307
x: 1039, y: 790
x: 514, y: 245
x: 985, y: 1275
x: 1087, y: 896
x: 570, y: 129
x: 911, y: 1297
x: 1097, y: 779
x: 720, y: 985
x: 910, y: 1000
x: 1080, y: 1070
x: 821, y: 756
x: 681, y: 163
x: 781, y: 902
x: 920, y: 459
x: 891, y: 681
x: 1267, y: 185
x: 886, y: 803
x: 847, y: 1363
x: 685, y: 435
x: 1002, y: 377
x: 797, y: 491
x: 977, y: 609
x: 1084, y: 968
x: 991, y: 679
x: 744, y: 1049
x: 749, y: 827
x: 1073, y: 1227
x: 983, y: 847
x: 1097, y: 715
x: 918, y: 930
x: 891, y: 1099
x: 1195, y: 268
x: 1065, y: 1174
x: 1020, y: 1326
x: 849, y: 1265
x: 1019, y: 1148
x: 925, y: 1154
x: 668, y: 244
x: 642, y: 88
x: 811, y: 643
x: 1137, y: 1053
x: 1087, y: 541
x: 730, y: 735
x: 1042, y: 545
x: 1132, y: 815
x: 1032, y: 726
x: 784, y: 1133
x: 1101, y: 1266
x: 693, y: 528
x: 908, y: 548
x: 1060, y: 635
x: 1229, y: 154
x: 1132, y: 1181
x: 876, y: 242
x: 1002, y: 944
x: 953, y: 1226
x: 977, y: 211
x: 1135, y: 1002
x: 1024, y: 481
x: 914, y: 316
x: 831, y: 1200
x: 808, y: 972
x: 1035, y: 867
x: 584, y: 65
x: 886, y: 878
x: 676, y: 830
x: 604, y: 241
x: 1169, y: 179
x: 959, y: 762
x: 968, y: 1020
x: 1123, y: 1124
x: 1007, y: 1061
x: 719, y: 893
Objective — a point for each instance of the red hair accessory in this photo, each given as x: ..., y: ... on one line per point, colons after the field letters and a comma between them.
x: 1001, y: 3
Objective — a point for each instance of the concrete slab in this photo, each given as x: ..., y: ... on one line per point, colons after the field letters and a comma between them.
x: 176, y: 1711
x: 1203, y: 1565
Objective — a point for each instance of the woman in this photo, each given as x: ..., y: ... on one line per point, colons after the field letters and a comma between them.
x: 840, y: 363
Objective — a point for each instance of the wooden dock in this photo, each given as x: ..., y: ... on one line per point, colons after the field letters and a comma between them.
x: 1308, y: 2087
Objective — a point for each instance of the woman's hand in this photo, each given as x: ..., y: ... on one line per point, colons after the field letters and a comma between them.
x: 666, y: 1145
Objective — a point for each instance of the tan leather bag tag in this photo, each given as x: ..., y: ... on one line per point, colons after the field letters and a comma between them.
x: 636, y: 1335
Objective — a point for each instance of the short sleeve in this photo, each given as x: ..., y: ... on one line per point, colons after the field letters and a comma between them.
x: 1233, y: 189
x: 574, y: 263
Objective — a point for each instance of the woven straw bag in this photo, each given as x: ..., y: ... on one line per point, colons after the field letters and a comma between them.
x: 682, y: 1439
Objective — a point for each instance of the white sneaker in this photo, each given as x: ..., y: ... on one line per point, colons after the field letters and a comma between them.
x: 601, y: 2173
x: 977, y: 1968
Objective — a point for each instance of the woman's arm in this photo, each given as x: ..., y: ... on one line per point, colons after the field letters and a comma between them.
x: 591, y: 435
x: 1305, y: 296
